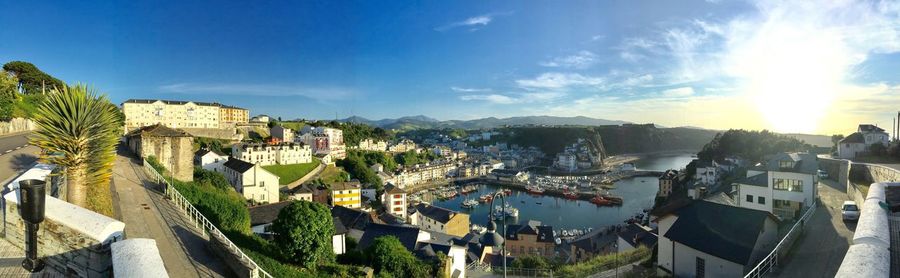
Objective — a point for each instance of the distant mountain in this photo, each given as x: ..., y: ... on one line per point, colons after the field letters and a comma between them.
x: 816, y: 140
x: 423, y: 122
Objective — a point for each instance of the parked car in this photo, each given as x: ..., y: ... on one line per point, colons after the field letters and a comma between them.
x: 822, y: 174
x: 850, y: 211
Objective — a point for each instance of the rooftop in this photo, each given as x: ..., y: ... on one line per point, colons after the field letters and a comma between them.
x: 724, y: 231
x: 265, y: 214
x: 439, y: 214
x: 238, y: 165
x: 158, y: 130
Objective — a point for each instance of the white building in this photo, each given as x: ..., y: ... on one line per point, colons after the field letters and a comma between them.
x: 210, y: 160
x: 707, y: 172
x: 860, y: 141
x: 443, y: 151
x: 784, y: 186
x: 419, y: 174
x: 394, y: 200
x: 260, y: 119
x: 173, y: 114
x: 420, y: 242
x: 706, y: 239
x: 567, y: 161
x: 252, y: 181
x: 371, y: 145
x: 403, y: 146
x: 269, y: 154
x: 282, y: 133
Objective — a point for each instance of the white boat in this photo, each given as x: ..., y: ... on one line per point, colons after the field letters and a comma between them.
x: 470, y: 203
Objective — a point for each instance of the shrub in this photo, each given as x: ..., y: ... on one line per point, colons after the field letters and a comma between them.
x: 303, y: 232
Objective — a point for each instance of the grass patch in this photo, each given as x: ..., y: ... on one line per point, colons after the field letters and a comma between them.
x: 292, y: 172
x: 100, y: 200
x: 333, y: 174
x: 603, y: 263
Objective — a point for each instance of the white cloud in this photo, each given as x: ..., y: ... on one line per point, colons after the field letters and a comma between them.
x: 469, y: 90
x: 679, y: 92
x: 317, y: 93
x: 475, y: 22
x: 555, y: 80
x: 581, y: 60
x: 491, y: 98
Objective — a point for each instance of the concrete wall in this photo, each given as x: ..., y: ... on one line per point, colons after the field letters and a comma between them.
x: 241, y: 268
x: 17, y: 125
x: 686, y: 264
x: 72, y: 240
x: 137, y: 258
x: 869, y: 256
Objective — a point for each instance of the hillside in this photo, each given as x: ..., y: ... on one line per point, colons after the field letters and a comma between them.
x: 615, y: 139
x: 423, y: 122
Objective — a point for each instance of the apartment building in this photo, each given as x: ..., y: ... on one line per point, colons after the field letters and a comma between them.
x: 210, y: 160
x: 180, y: 114
x: 531, y: 239
x: 283, y: 134
x: 419, y: 174
x: 394, y: 200
x: 252, y: 181
x: 567, y: 161
x: 403, y: 146
x: 666, y: 183
x: 346, y: 194
x: 785, y: 185
x: 371, y: 145
x: 438, y: 219
x: 231, y: 115
x: 269, y: 154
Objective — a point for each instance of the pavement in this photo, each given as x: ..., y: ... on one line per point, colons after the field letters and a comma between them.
x: 16, y: 156
x: 821, y: 249
x: 147, y: 214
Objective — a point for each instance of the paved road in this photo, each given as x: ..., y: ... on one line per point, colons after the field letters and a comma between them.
x: 148, y: 215
x: 16, y: 156
x: 821, y: 249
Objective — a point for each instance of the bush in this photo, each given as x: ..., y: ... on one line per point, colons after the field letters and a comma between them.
x: 603, y: 263
x: 210, y: 178
x: 303, y: 232
x: 387, y: 254
x: 225, y: 209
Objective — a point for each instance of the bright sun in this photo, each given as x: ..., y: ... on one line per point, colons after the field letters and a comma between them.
x: 792, y: 74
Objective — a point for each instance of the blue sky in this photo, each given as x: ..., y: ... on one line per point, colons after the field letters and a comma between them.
x: 715, y: 64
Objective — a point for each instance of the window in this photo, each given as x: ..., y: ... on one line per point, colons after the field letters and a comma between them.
x: 761, y: 200
x: 787, y: 185
x: 700, y: 270
x: 785, y: 164
x: 397, y: 202
x: 750, y: 198
x: 398, y: 196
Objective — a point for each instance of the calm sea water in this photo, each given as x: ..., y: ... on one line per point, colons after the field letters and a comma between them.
x: 638, y: 194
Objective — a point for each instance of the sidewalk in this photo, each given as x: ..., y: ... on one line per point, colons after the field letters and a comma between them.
x: 147, y: 214
x: 11, y: 263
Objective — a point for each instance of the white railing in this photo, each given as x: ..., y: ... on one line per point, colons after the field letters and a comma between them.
x: 771, y: 261
x: 200, y: 220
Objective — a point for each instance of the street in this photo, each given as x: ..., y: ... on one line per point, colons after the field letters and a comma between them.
x: 821, y: 248
x: 16, y: 156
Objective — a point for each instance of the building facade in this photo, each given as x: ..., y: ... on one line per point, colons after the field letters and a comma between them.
x: 422, y: 174
x: 172, y: 148
x: 438, y: 219
x: 784, y: 186
x: 666, y: 183
x: 346, y: 194
x: 210, y: 160
x: 531, y: 239
x: 180, y: 114
x: 371, y: 145
x: 395, y: 201
x: 282, y: 133
x: 269, y: 154
x: 252, y: 181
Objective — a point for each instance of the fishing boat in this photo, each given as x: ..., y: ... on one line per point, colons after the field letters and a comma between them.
x: 601, y: 200
x: 485, y: 198
x: 507, y: 191
x: 570, y: 195
x: 478, y: 229
x: 469, y: 204
x: 535, y: 190
x: 506, y: 211
x: 469, y: 189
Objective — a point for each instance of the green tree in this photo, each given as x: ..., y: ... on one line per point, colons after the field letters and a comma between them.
x: 835, y: 139
x: 387, y: 254
x: 877, y: 149
x: 303, y: 231
x: 9, y: 95
x: 78, y: 129
x: 31, y: 79
x: 533, y: 262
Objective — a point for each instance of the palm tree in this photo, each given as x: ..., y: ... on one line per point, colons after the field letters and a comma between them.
x: 78, y: 130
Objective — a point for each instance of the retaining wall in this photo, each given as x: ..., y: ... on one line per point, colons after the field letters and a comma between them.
x: 17, y: 125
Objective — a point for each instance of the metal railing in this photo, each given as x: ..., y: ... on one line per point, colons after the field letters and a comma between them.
x: 771, y: 260
x: 200, y: 221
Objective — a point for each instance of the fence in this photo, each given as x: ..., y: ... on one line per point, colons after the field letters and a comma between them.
x: 783, y: 247
x: 523, y: 272
x: 200, y: 221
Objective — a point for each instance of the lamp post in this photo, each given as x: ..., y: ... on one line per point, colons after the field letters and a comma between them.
x: 491, y: 238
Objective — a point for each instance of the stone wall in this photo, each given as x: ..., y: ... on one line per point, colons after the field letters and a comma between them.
x: 137, y: 258
x: 17, y: 125
x: 242, y: 268
x: 174, y: 153
x: 230, y: 134
x: 71, y: 240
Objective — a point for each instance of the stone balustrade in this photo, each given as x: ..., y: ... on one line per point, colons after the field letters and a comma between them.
x: 137, y: 258
x: 71, y: 240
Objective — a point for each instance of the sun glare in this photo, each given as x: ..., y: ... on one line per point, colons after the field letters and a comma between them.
x: 792, y: 74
